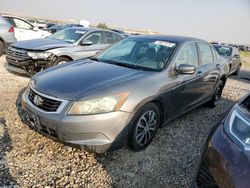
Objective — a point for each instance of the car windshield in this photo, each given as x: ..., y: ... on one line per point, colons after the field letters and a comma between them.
x: 70, y: 35
x: 223, y: 50
x: 138, y: 53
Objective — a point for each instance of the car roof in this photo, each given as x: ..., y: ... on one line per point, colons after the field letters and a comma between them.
x: 169, y: 38
x: 90, y: 29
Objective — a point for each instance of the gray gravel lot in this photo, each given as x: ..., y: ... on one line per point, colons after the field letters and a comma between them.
x: 28, y: 159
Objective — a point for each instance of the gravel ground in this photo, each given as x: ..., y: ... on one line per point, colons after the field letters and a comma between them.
x: 28, y: 159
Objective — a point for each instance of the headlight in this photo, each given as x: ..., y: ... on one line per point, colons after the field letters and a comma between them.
x: 39, y: 55
x: 239, y: 127
x: 99, y: 105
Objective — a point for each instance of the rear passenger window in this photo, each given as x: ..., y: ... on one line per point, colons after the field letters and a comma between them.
x: 188, y: 55
x: 205, y: 53
x: 112, y: 38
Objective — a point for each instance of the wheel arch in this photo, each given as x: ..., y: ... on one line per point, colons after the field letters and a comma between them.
x: 158, y: 101
x: 65, y: 56
x: 2, y: 40
x: 223, y: 78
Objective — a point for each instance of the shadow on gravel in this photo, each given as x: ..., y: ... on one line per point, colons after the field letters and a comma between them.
x: 173, y: 157
x: 18, y: 103
x: 5, y: 146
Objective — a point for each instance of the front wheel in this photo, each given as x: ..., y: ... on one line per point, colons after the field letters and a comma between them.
x: 144, y: 127
x: 217, y: 95
x: 60, y: 60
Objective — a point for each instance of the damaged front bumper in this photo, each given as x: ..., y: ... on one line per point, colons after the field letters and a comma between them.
x: 23, y: 64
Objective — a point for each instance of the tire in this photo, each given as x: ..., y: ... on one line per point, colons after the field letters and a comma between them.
x: 60, y: 60
x: 1, y: 48
x: 217, y: 95
x: 237, y: 71
x: 143, y: 130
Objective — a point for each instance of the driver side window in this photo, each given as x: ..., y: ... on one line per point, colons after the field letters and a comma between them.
x: 188, y: 55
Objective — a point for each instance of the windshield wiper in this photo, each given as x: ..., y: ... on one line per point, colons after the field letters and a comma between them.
x: 125, y: 65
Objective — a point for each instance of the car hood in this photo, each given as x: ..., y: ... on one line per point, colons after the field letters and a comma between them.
x: 41, y: 44
x: 77, y: 79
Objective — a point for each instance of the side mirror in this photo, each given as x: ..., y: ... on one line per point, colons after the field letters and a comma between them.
x: 86, y: 43
x: 236, y: 56
x: 186, y: 69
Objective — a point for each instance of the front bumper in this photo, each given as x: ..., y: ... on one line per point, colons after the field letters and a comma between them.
x: 227, y: 164
x: 98, y: 133
x: 26, y: 67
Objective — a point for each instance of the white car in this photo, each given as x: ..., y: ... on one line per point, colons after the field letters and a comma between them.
x: 24, y: 30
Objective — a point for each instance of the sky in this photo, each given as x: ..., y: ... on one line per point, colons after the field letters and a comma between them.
x: 213, y: 20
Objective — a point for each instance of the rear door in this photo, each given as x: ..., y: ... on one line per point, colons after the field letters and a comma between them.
x: 209, y: 69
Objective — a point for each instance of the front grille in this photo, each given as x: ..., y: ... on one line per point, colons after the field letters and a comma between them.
x: 48, y: 131
x: 44, y: 103
x: 16, y: 54
x: 205, y: 178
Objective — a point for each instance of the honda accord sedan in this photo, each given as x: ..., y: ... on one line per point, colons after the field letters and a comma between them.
x: 124, y: 94
x: 226, y: 158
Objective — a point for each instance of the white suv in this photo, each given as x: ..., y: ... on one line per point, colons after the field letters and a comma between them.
x: 24, y: 30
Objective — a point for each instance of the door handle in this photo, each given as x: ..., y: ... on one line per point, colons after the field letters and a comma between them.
x: 199, y: 73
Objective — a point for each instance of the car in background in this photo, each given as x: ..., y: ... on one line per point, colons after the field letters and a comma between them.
x: 125, y: 34
x: 243, y: 48
x: 38, y: 24
x: 232, y: 55
x: 32, y: 56
x: 226, y: 158
x: 23, y: 30
x: 6, y: 34
x: 56, y: 27
x: 125, y: 93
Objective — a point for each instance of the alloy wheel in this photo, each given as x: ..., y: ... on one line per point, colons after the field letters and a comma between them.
x: 146, y: 127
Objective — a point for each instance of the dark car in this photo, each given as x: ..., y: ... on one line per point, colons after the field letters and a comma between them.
x: 125, y: 93
x: 226, y: 158
x: 232, y: 55
x: 31, y: 56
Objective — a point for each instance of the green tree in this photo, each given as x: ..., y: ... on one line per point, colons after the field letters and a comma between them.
x: 102, y: 26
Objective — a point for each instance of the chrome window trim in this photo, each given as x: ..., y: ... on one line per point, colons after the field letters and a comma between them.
x: 60, y: 108
x: 239, y: 115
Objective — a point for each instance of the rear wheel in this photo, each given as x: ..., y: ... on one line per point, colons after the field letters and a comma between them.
x: 144, y: 127
x: 60, y: 60
x: 217, y: 95
x: 1, y: 48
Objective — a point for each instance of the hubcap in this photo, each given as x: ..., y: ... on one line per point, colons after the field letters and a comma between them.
x: 62, y: 62
x: 146, y: 127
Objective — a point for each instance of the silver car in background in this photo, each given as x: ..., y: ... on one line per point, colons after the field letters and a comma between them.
x: 31, y: 56
x: 6, y: 34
